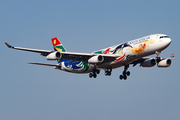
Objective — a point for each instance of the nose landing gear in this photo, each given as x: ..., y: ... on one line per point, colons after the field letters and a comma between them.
x: 158, y: 59
x: 125, y: 73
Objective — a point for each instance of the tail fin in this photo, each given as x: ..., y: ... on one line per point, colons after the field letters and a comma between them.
x: 57, y: 45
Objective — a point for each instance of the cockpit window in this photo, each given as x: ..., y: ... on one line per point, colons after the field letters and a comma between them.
x: 164, y: 37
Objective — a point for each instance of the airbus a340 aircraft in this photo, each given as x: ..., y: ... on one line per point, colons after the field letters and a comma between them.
x: 132, y: 52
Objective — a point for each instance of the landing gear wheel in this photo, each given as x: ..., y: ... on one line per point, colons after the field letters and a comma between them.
x: 125, y: 77
x: 94, y: 75
x: 97, y: 71
x: 109, y: 73
x: 125, y: 73
x: 90, y: 75
x: 94, y: 72
x: 121, y: 77
x: 128, y: 73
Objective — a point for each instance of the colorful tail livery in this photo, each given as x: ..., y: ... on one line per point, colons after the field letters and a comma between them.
x: 57, y: 45
x: 132, y: 52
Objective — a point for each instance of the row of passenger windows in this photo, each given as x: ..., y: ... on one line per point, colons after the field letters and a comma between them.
x: 164, y: 37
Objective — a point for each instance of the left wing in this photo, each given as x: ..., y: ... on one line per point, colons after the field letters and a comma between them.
x: 69, y: 55
x: 86, y: 56
x: 43, y: 52
x: 58, y: 65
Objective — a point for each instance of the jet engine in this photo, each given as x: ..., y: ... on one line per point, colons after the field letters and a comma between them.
x: 54, y: 56
x: 96, y: 59
x: 165, y: 63
x: 148, y: 63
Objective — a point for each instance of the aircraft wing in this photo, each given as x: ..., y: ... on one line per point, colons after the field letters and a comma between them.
x: 85, y: 56
x: 59, y: 65
x: 43, y: 52
x: 74, y: 56
x: 141, y: 60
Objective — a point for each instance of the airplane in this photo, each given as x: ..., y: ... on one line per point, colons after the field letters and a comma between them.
x: 132, y: 52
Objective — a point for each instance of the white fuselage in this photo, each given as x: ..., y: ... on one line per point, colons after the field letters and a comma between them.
x: 128, y: 52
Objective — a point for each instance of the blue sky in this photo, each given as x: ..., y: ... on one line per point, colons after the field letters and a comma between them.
x: 43, y: 93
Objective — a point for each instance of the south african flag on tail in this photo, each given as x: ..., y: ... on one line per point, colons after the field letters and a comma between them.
x: 57, y: 45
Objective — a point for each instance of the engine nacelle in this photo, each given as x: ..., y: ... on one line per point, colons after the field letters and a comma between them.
x: 165, y: 63
x: 148, y: 63
x: 54, y: 56
x: 96, y: 59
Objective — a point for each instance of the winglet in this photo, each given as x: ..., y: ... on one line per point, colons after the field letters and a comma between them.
x: 172, y: 56
x: 8, y: 45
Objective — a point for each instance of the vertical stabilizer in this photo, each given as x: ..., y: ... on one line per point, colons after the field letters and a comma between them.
x: 57, y: 45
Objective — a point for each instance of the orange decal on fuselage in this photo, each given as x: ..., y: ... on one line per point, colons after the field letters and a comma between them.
x: 141, y: 47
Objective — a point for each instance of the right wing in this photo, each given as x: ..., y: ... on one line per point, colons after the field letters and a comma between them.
x: 141, y: 60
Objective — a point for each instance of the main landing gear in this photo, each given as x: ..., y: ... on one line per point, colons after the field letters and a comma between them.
x: 108, y: 71
x: 125, y: 73
x: 94, y: 72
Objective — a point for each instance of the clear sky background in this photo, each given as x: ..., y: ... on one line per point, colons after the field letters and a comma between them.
x: 30, y: 92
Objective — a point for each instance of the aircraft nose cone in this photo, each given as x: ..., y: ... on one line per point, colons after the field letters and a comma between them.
x: 168, y: 41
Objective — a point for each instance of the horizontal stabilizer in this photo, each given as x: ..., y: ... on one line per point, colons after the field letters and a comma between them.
x: 58, y: 65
